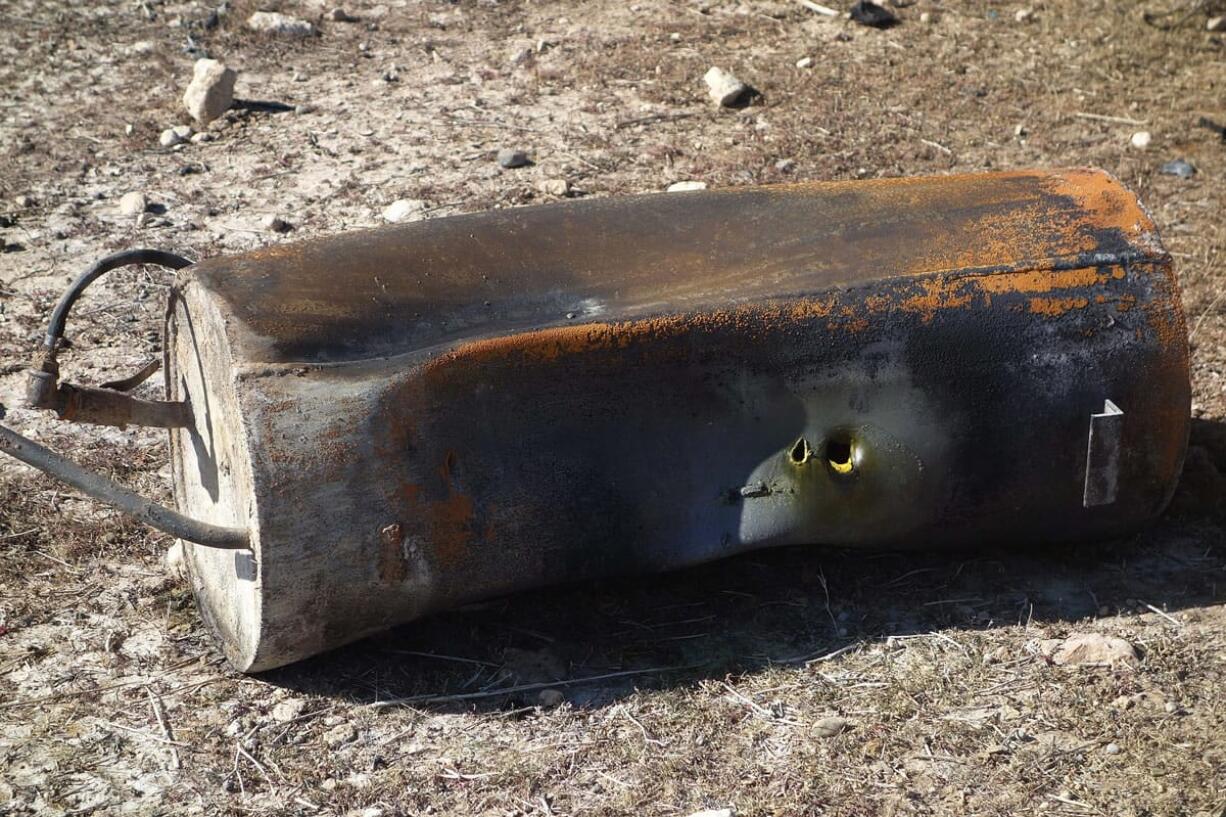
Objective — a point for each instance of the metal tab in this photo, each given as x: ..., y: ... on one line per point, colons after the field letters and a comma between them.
x: 1103, y: 456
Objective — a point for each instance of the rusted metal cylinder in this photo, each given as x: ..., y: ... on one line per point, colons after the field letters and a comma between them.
x: 423, y: 415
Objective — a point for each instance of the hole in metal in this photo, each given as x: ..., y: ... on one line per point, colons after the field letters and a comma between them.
x: 839, y: 454
x: 800, y: 452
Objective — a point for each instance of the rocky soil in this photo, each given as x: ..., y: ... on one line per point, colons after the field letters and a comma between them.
x: 800, y: 681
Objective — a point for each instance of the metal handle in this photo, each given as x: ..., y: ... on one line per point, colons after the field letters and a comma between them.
x: 117, y: 496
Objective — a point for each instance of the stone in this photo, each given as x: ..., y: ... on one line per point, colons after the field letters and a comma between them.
x: 1024, y: 15
x: 1216, y: 23
x: 172, y: 559
x: 404, y: 210
x: 785, y: 165
x: 510, y: 158
x: 174, y: 136
x: 682, y: 187
x: 211, y: 91
x: 521, y: 57
x: 928, y: 17
x: 1141, y: 139
x: 1088, y: 650
x: 550, y: 698
x: 725, y: 89
x: 714, y: 812
x: 829, y: 727
x: 554, y: 187
x: 804, y: 62
x: 288, y: 710
x: 281, y: 25
x: 133, y: 204
x: 23, y: 201
x: 1112, y: 748
x: 198, y: 138
x: 277, y: 224
x: 1179, y: 167
x: 340, y: 734
x: 339, y: 15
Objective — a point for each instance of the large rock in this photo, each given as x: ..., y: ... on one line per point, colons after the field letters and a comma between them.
x: 211, y: 91
x: 1088, y: 650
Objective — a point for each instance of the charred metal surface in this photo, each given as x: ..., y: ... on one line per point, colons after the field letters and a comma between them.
x: 418, y: 416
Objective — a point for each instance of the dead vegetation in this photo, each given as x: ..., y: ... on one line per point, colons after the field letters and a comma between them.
x: 710, y: 688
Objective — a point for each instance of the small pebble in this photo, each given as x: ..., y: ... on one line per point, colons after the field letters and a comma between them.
x: 829, y: 727
x: 714, y: 812
x: 725, y: 89
x: 785, y: 165
x: 1216, y: 24
x: 339, y: 735
x: 681, y: 187
x: 1171, y: 707
x: 927, y: 18
x: 173, y: 560
x: 133, y: 204
x: 277, y: 224
x: 23, y: 201
x: 1112, y: 748
x: 282, y: 25
x: 288, y: 710
x: 521, y: 57
x: 1023, y: 15
x: 305, y: 109
x: 1141, y: 139
x: 554, y: 187
x: 550, y: 698
x: 1179, y: 167
x: 674, y: 37
x: 339, y: 15
x: 804, y: 62
x: 510, y: 158
x: 197, y: 138
x: 404, y: 210
x: 173, y: 136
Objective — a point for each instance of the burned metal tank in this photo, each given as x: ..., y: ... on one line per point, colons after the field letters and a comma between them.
x: 382, y: 424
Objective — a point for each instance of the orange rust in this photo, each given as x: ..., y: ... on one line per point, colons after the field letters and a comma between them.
x: 1039, y: 280
x: 1105, y: 201
x: 448, y: 523
x: 939, y: 294
x: 1054, y: 307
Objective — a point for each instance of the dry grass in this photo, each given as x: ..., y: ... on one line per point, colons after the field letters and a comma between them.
x: 114, y: 700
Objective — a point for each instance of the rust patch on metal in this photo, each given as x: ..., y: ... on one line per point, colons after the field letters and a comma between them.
x: 448, y: 524
x: 393, y: 562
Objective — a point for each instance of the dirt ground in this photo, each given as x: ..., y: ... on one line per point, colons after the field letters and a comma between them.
x: 114, y: 699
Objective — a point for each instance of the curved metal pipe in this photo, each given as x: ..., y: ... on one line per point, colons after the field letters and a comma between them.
x: 55, y: 330
x: 117, y: 496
